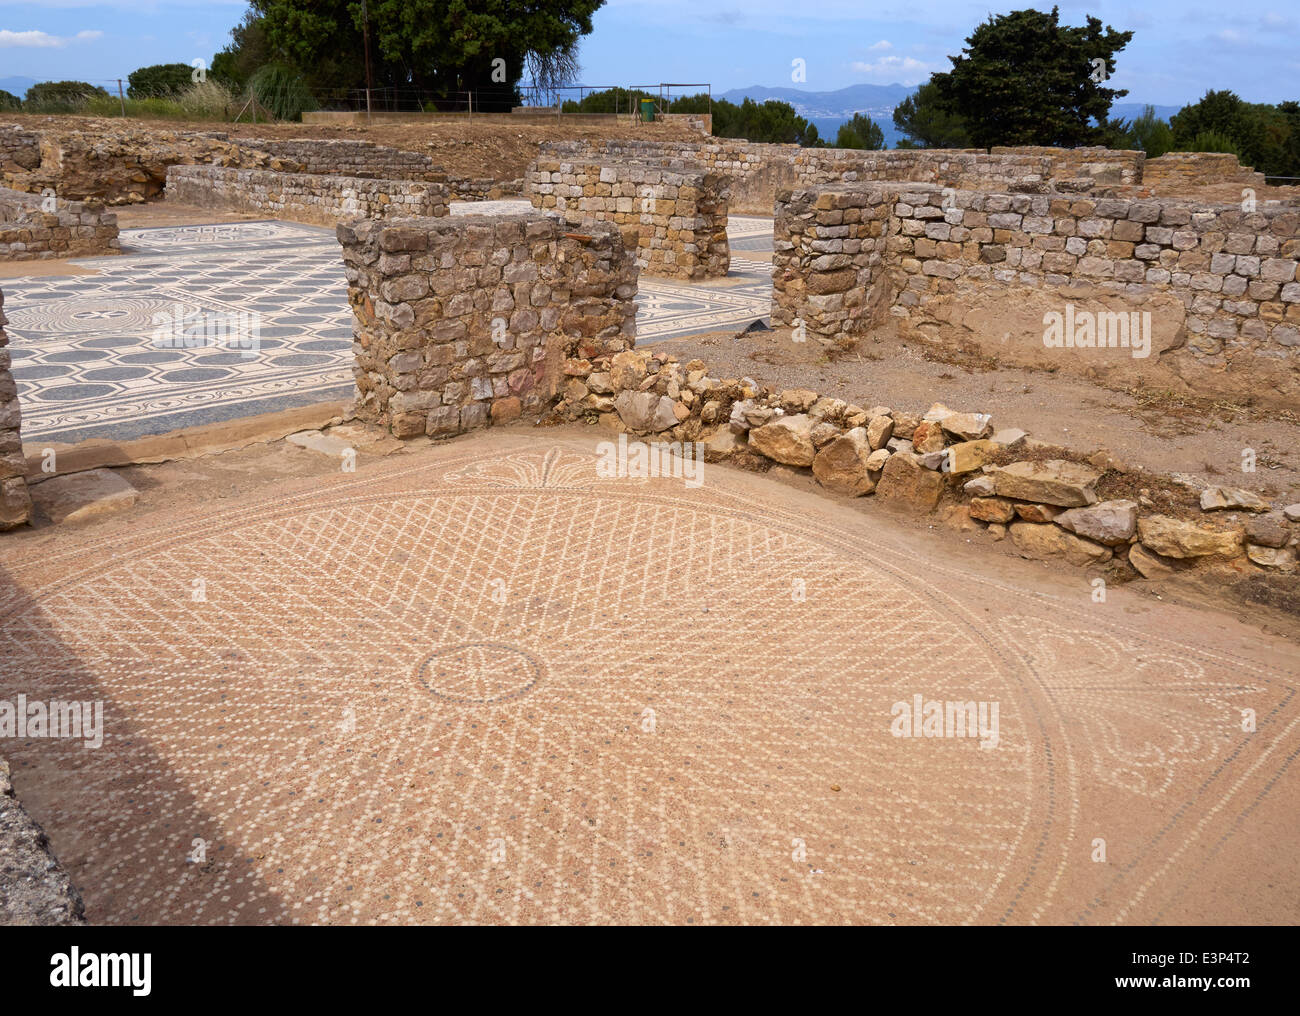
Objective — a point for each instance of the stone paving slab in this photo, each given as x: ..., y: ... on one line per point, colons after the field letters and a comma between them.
x: 87, y: 363
x: 481, y: 683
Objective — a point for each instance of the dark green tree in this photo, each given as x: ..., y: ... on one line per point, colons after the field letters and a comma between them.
x: 248, y: 50
x: 1025, y: 79
x: 926, y: 122
x: 860, y: 132
x: 444, y: 47
x: 9, y: 102
x: 61, y: 96
x: 159, y: 81
x: 1151, y: 134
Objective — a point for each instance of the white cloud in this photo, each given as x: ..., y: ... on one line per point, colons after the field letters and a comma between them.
x: 890, y: 69
x: 881, y: 45
x: 40, y: 40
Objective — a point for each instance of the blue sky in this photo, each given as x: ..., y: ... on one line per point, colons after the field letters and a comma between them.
x: 1180, y: 47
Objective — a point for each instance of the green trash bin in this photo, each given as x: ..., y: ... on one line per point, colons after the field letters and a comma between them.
x: 648, y: 110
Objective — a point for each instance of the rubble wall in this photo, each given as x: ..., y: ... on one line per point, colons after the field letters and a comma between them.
x: 458, y: 322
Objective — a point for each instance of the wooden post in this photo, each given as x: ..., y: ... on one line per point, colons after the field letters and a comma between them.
x: 120, y: 97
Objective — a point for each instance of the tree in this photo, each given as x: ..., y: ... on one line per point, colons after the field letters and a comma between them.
x: 61, y: 96
x: 248, y: 50
x: 860, y: 132
x: 1026, y: 79
x: 1262, y: 136
x: 1151, y: 134
x: 159, y: 81
x: 446, y: 47
x: 9, y: 102
x: 926, y: 122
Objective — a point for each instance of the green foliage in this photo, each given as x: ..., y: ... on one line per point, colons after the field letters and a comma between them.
x: 161, y: 81
x: 767, y: 121
x: 1026, y: 79
x: 860, y: 132
x: 1150, y: 134
x: 1263, y: 136
x: 437, y: 46
x: 926, y: 122
x: 9, y: 102
x: 283, y: 91
x: 61, y: 96
x: 1213, y: 141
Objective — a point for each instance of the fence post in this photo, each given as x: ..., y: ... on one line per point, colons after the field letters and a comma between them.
x: 120, y: 97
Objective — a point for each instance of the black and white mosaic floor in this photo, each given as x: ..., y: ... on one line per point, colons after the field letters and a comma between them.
x: 99, y: 355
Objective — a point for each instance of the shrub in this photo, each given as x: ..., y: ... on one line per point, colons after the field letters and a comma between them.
x: 61, y: 96
x: 283, y: 91
x: 162, y: 81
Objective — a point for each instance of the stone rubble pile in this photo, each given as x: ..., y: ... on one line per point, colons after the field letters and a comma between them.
x: 994, y: 479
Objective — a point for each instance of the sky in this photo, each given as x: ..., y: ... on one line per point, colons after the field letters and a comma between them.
x: 1180, y: 48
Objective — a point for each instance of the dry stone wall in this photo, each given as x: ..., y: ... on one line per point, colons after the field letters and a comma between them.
x: 1177, y: 172
x: 465, y: 320
x: 756, y: 170
x: 116, y: 163
x: 69, y: 229
x: 347, y: 157
x: 828, y: 263
x: 1215, y: 290
x: 15, y: 503
x: 676, y: 219
x: 304, y: 197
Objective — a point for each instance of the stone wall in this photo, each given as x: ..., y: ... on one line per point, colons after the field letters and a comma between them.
x: 828, y: 270
x: 72, y: 229
x: 15, y: 504
x: 1175, y: 172
x: 304, y: 197
x: 1013, y: 169
x: 20, y: 149
x: 114, y: 162
x: 346, y: 157
x: 1112, y: 167
x: 678, y: 219
x: 756, y: 170
x: 986, y: 271
x: 462, y: 320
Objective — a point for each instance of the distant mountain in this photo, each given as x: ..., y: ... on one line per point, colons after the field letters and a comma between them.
x: 16, y: 86
x: 830, y: 109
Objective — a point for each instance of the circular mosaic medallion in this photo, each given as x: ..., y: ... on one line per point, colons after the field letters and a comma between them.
x: 478, y: 673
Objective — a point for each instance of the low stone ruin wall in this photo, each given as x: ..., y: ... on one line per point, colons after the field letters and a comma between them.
x: 1215, y: 290
x: 116, y: 163
x: 678, y: 219
x: 1175, y: 172
x: 1053, y: 504
x: 15, y: 503
x: 1011, y: 169
x: 1102, y: 166
x: 304, y: 197
x: 71, y: 229
x: 348, y: 157
x: 757, y: 170
x: 828, y: 263
x: 20, y: 149
x: 464, y: 320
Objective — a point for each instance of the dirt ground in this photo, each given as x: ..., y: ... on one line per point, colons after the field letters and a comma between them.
x: 496, y: 150
x: 1153, y: 430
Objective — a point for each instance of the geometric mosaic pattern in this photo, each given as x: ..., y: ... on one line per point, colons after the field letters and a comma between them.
x: 489, y: 686
x: 86, y: 363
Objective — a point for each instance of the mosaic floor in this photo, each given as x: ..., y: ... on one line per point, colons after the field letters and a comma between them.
x: 87, y: 364
x: 452, y: 689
